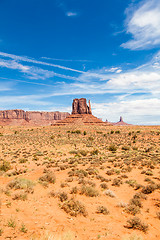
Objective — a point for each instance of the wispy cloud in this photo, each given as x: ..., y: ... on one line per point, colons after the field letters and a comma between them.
x: 71, y: 14
x: 65, y: 60
x: 143, y: 24
x: 67, y: 11
x: 30, y: 60
x: 134, y: 93
x: 5, y: 86
x: 33, y: 72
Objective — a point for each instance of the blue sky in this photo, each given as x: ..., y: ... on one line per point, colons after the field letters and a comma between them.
x: 52, y: 51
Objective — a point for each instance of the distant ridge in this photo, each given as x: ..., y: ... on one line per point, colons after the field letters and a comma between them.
x: 21, y: 117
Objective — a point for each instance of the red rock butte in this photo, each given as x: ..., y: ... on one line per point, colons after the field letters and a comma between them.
x: 20, y: 117
x: 81, y: 114
x: 121, y: 123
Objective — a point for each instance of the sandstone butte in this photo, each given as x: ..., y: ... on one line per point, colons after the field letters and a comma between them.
x: 20, y: 117
x: 81, y: 114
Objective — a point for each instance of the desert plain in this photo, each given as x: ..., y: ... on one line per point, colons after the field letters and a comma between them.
x: 80, y: 182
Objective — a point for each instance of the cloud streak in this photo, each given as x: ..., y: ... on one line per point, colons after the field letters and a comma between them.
x: 143, y: 25
x: 30, y: 60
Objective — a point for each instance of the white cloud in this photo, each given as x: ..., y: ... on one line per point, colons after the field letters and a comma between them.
x: 138, y: 111
x: 134, y: 93
x: 143, y: 24
x: 30, y: 60
x: 32, y: 71
x: 71, y: 14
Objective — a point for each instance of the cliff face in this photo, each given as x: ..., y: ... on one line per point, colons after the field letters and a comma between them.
x: 32, y: 117
x: 79, y: 106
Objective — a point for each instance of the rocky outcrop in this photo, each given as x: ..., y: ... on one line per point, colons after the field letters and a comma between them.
x: 79, y: 106
x: 32, y: 117
x: 121, y: 123
x: 81, y: 115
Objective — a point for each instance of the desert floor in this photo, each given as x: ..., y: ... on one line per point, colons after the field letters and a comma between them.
x: 80, y: 182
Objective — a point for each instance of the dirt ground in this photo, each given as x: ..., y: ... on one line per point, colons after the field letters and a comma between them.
x: 80, y: 182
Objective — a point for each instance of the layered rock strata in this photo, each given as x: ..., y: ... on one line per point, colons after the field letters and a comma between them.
x: 18, y: 116
x: 81, y: 114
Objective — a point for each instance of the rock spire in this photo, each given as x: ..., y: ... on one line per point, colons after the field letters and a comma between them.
x: 79, y: 106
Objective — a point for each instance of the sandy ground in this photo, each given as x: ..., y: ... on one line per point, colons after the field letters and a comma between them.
x: 28, y: 153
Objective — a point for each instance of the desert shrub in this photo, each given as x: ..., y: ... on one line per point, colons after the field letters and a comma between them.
x: 49, y: 176
x: 81, y: 173
x: 140, y: 195
x: 23, y: 228
x: 20, y: 196
x: 76, y: 131
x: 21, y: 183
x: 64, y: 185
x: 1, y: 231
x: 89, y: 191
x: 74, y: 190
x: 83, y: 152
x: 112, y: 148
x: 110, y: 172
x: 136, y: 202
x: 136, y: 223
x: 84, y: 133
x: 122, y: 205
x: 52, y: 194
x: 117, y: 182
x: 158, y: 215
x: 132, y: 209
x: 73, y: 152
x: 74, y: 208
x: 112, y: 131
x: 148, y: 189
x: 102, y: 209
x: 5, y: 166
x: 131, y: 182
x: 23, y: 160
x: 109, y: 193
x: 117, y: 132
x: 11, y: 223
x: 149, y: 173
x: 92, y: 171
x: 94, y: 152
x: 104, y: 186
x: 125, y: 148
x: 63, y: 196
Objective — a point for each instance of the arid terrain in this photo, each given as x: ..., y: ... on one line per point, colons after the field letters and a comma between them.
x: 80, y: 182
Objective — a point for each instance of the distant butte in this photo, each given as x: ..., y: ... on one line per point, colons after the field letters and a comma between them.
x: 19, y: 117
x: 121, y: 123
x: 81, y: 114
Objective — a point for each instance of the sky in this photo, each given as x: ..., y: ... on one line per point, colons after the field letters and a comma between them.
x: 52, y: 51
